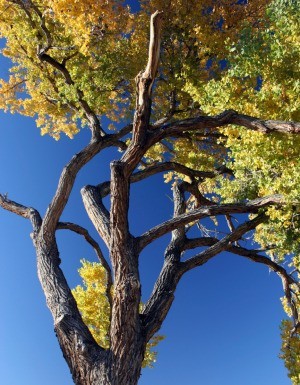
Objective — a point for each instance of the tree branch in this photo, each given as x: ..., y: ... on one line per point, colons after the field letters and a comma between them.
x: 67, y: 180
x: 225, y: 118
x: 26, y: 212
x: 91, y: 117
x: 222, y: 244
x: 89, y: 113
x: 178, y: 234
x: 157, y: 307
x: 104, y: 188
x: 206, y: 211
x: 265, y: 126
x: 82, y: 231
x: 144, y: 82
x: 97, y: 212
x: 254, y: 256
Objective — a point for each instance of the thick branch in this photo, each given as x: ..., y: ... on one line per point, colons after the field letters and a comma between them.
x: 97, y: 212
x: 266, y: 126
x: 225, y: 118
x: 157, y: 307
x: 178, y: 235
x: 66, y: 183
x: 154, y: 48
x: 144, y: 82
x: 104, y: 188
x: 23, y: 211
x: 206, y: 211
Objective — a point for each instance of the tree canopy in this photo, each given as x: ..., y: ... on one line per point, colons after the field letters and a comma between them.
x: 210, y: 99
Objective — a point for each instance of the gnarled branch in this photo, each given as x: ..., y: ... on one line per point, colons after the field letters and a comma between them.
x: 206, y: 211
x: 225, y: 118
x: 144, y: 82
x: 26, y: 212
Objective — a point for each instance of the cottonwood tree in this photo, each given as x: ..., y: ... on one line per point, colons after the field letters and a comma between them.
x: 216, y: 81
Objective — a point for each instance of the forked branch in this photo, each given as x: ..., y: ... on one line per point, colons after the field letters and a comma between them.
x: 223, y: 244
x: 207, y: 211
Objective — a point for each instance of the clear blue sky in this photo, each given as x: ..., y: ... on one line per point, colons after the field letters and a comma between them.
x: 223, y: 328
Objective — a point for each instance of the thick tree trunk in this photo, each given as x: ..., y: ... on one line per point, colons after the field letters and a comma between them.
x: 90, y: 364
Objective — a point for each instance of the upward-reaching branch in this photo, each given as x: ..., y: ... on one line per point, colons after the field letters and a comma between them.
x: 144, y: 82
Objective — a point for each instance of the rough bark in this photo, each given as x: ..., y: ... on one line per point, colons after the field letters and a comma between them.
x: 121, y: 364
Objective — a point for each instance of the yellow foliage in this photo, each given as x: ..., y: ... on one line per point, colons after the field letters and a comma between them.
x: 94, y: 307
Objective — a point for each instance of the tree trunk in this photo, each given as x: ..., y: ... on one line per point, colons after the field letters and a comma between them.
x: 89, y: 363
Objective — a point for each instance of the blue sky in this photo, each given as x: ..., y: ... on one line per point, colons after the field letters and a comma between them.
x: 223, y: 328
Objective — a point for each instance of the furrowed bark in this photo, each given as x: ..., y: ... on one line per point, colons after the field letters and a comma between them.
x: 26, y: 212
x: 66, y: 183
x: 126, y: 334
x: 97, y: 212
x: 127, y: 342
x: 129, y: 332
x: 77, y: 344
x: 156, y: 309
x: 162, y: 297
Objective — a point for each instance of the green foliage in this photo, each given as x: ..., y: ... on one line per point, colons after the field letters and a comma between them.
x: 215, y: 56
x: 262, y: 68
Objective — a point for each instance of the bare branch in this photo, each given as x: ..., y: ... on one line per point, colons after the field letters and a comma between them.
x: 154, y: 51
x: 67, y: 180
x: 97, y: 212
x: 144, y: 82
x: 254, y: 256
x: 206, y: 211
x: 24, y: 211
x: 225, y: 118
x: 178, y: 235
x: 222, y: 244
x: 265, y: 126
x: 82, y: 231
